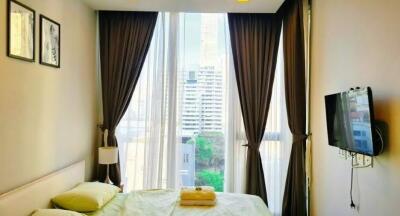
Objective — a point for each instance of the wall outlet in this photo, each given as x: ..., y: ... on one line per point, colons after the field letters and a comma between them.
x: 342, y: 153
x: 359, y: 160
x: 368, y: 160
x: 348, y: 154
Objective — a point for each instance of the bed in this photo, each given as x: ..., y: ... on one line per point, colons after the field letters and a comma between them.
x: 24, y: 200
x: 165, y: 202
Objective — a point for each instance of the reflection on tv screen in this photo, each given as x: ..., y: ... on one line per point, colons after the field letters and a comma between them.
x: 349, y: 121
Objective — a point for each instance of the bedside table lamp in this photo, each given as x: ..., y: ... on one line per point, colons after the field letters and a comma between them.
x: 107, y: 156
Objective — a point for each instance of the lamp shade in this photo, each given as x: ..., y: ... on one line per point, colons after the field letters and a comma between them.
x: 108, y: 155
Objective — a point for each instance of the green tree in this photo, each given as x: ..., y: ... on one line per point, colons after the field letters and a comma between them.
x: 209, y: 159
x: 204, y: 151
x: 211, y: 178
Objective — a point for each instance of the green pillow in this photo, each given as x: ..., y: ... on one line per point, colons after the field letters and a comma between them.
x: 86, y: 197
x: 55, y: 212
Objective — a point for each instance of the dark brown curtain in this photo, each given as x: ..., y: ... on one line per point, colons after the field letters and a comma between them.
x: 255, y: 41
x: 294, y: 201
x: 124, y: 41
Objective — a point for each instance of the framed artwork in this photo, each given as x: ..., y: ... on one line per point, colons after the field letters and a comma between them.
x: 20, y: 31
x: 49, y: 42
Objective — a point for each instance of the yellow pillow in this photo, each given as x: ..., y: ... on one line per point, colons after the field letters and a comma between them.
x: 86, y: 197
x: 55, y: 212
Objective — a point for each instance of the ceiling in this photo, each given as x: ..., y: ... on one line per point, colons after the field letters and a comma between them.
x: 204, y: 6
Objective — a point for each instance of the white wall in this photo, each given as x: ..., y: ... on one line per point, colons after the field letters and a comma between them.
x: 356, y: 43
x: 47, y: 115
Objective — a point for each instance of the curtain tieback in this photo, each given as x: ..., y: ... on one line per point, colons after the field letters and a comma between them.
x: 106, y: 133
x: 101, y: 127
x: 300, y: 137
x: 105, y: 137
x: 250, y: 147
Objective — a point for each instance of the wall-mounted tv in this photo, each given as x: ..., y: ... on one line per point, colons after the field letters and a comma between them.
x: 350, y: 121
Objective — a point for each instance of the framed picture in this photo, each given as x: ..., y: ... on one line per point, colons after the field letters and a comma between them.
x: 20, y: 31
x: 49, y: 42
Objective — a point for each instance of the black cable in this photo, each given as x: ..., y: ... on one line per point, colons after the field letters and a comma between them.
x: 379, y: 132
x: 352, y: 205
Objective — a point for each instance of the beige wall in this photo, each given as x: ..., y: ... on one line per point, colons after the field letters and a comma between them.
x: 356, y: 43
x: 47, y: 115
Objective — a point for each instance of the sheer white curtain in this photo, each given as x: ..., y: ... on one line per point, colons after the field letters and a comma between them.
x: 276, y: 146
x: 277, y: 141
x: 236, y: 153
x: 146, y: 134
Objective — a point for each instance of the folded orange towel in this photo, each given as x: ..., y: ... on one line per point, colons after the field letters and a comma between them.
x: 198, y: 202
x: 198, y: 193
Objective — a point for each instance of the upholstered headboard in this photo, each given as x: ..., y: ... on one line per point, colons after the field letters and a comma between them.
x: 37, y: 194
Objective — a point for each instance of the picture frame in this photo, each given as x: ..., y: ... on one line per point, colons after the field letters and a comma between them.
x: 21, y: 21
x: 49, y: 44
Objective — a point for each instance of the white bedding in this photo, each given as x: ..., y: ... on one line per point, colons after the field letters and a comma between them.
x: 165, y: 203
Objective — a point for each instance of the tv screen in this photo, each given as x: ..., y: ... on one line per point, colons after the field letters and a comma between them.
x: 350, y: 118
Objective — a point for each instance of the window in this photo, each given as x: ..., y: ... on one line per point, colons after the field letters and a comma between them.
x: 178, y: 111
x: 185, y: 108
x: 203, y: 59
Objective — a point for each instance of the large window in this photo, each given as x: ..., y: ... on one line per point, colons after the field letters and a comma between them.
x: 178, y: 109
x: 183, y: 126
x: 202, y: 74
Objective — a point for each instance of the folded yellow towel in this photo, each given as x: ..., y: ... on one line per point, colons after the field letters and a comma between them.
x: 198, y: 202
x: 198, y: 193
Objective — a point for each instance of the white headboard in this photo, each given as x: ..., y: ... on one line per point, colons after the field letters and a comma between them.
x: 24, y: 200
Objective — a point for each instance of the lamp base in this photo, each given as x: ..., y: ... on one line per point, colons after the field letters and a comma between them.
x: 108, y: 180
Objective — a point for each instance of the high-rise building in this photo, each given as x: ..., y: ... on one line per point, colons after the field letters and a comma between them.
x: 203, y: 85
x: 203, y: 104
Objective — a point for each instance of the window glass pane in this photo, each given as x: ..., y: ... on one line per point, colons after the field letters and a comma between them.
x: 202, y: 74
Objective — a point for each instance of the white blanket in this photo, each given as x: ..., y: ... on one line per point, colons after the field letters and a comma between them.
x: 166, y: 203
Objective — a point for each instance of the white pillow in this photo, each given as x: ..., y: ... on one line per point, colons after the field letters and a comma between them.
x: 55, y: 212
x: 86, y: 197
